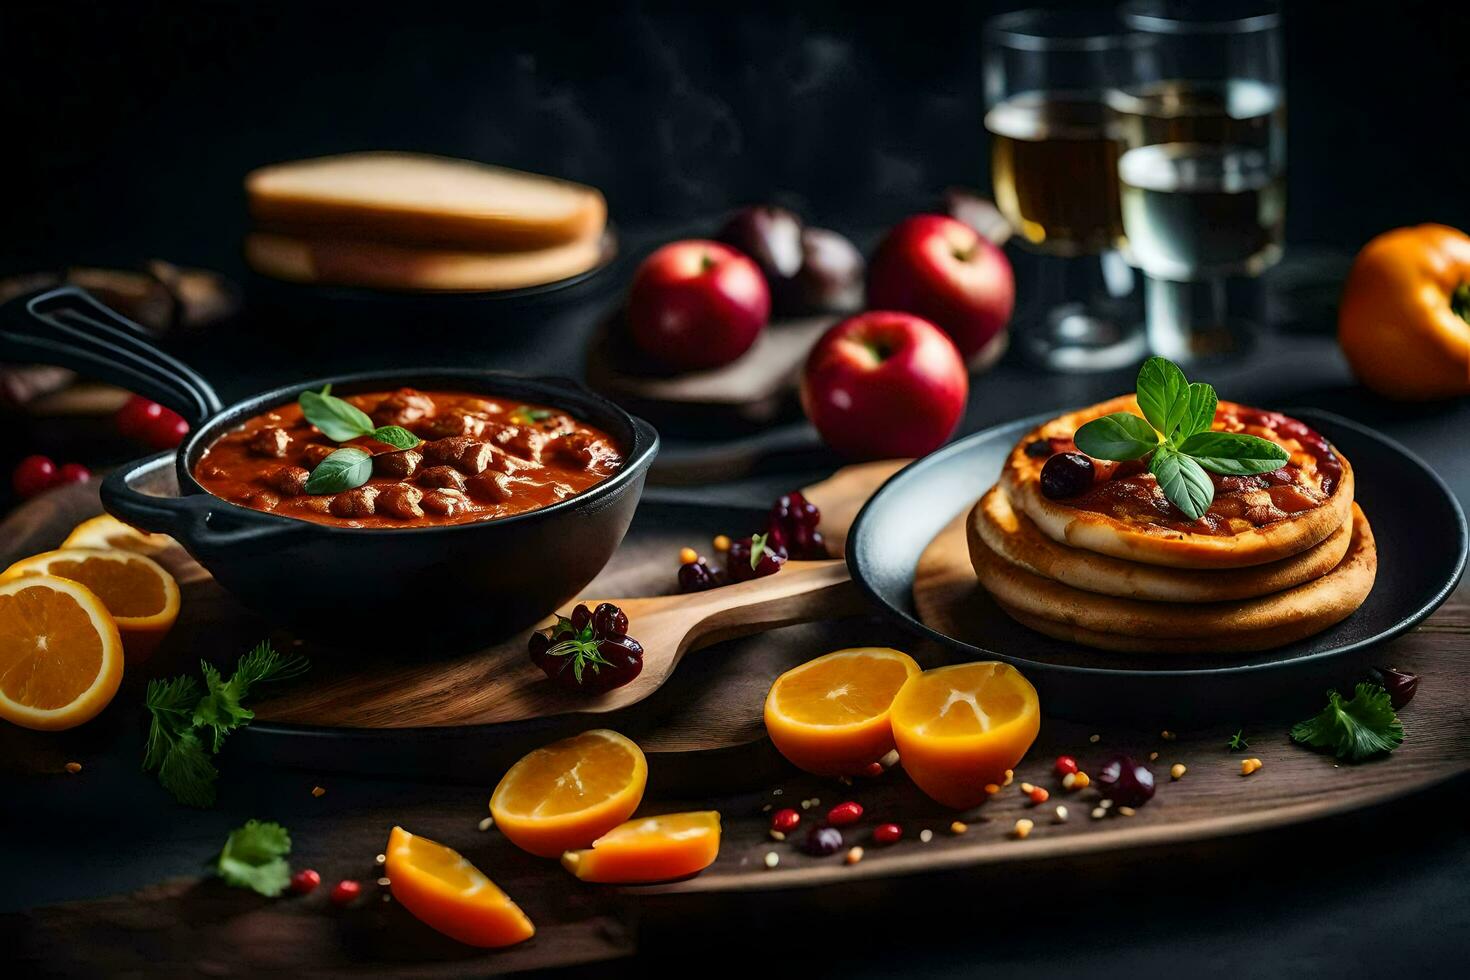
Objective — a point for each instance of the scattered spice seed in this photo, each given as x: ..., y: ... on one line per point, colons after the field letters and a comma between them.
x: 957, y: 828
x: 1061, y: 813
x: 1177, y: 770
x: 806, y: 804
x: 890, y: 760
x: 776, y: 835
x: 845, y: 780
x: 387, y: 897
x: 688, y: 556
x: 854, y: 855
x: 318, y: 792
x: 777, y: 791
x: 1105, y: 804
x: 722, y: 542
x: 1126, y: 811
x: 1167, y: 735
x: 381, y: 859
x: 1098, y: 813
x: 772, y: 859
x: 992, y: 788
x: 1153, y: 757
x: 1027, y: 787
x: 486, y: 823
x: 73, y: 767
x: 766, y: 808
x: 1022, y: 829
x: 1038, y: 795
x: 926, y: 835
x: 1010, y: 775
x: 1248, y: 766
x: 1094, y: 739
x: 1082, y: 781
x: 384, y: 882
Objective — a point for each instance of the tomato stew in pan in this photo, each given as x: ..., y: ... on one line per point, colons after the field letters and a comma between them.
x: 480, y: 459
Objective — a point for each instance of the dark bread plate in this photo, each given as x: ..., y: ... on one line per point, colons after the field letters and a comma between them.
x: 1417, y: 522
x: 480, y: 580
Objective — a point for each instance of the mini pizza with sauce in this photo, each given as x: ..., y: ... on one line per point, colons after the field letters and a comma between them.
x: 1124, y: 513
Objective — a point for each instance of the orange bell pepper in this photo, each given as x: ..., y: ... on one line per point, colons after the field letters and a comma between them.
x: 1404, y: 320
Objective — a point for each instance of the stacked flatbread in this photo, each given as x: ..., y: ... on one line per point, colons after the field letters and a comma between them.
x: 1276, y: 558
x: 406, y: 221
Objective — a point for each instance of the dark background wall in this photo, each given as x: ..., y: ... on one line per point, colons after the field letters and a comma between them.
x: 131, y: 123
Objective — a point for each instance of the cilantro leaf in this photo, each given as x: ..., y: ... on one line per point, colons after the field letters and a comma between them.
x: 254, y: 857
x: 1354, y: 730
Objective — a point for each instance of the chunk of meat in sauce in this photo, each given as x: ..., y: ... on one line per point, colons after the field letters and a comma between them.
x: 398, y: 466
x: 313, y: 454
x: 452, y: 424
x: 361, y: 502
x: 491, y: 487
x: 271, y: 442
x: 445, y: 502
x: 260, y: 500
x: 522, y: 441
x: 403, y: 407
x: 441, y: 477
x: 463, y: 453
x: 289, y: 481
x: 400, y: 500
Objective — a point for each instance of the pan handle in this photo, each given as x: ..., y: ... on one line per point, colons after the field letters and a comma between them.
x: 68, y: 328
x: 205, y: 525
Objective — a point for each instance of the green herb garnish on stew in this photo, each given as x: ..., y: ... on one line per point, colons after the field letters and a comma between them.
x: 1175, y: 429
x: 342, y: 421
x: 345, y: 469
x: 526, y: 414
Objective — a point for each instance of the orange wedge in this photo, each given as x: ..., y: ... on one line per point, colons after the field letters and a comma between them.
x: 142, y: 598
x: 61, y: 658
x: 569, y: 793
x: 830, y: 715
x: 960, y: 728
x: 447, y: 893
x: 674, y: 845
x: 106, y: 531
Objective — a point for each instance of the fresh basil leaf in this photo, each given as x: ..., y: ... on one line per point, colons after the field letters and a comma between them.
x: 1234, y: 453
x: 343, y: 470
x: 1199, y: 415
x: 396, y: 436
x: 1163, y: 394
x: 1186, y: 485
x: 338, y: 420
x: 1119, y: 436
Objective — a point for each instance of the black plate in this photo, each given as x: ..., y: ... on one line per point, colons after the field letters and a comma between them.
x: 1418, y: 525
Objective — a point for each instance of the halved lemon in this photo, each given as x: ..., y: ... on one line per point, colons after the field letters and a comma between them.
x: 142, y: 598
x: 61, y: 657
x: 451, y: 895
x: 106, y: 531
x: 830, y: 715
x: 960, y: 728
x: 569, y: 793
x: 661, y: 848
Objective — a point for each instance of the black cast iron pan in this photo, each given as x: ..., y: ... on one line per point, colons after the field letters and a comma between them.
x: 1418, y: 525
x: 481, y: 580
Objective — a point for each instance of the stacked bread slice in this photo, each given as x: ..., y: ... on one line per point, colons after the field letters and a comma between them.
x: 405, y: 221
x: 1277, y: 558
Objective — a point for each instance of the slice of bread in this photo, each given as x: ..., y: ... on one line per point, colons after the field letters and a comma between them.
x: 413, y: 199
x: 375, y: 265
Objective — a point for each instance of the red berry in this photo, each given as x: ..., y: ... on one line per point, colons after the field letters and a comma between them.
x: 33, y: 475
x: 785, y: 820
x: 887, y: 833
x: 1065, y: 765
x: 844, y: 813
x: 149, y: 422
x: 874, y: 769
x: 73, y: 473
x: 304, y: 882
x: 345, y: 892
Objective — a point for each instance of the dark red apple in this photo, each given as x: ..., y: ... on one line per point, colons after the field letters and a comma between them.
x: 697, y: 304
x: 830, y: 279
x: 884, y: 385
x: 944, y: 271
x: 771, y: 236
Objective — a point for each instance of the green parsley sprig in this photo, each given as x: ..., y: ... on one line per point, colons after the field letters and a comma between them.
x: 340, y: 421
x: 1175, y: 434
x: 1355, y: 729
x: 187, y: 727
x: 254, y: 857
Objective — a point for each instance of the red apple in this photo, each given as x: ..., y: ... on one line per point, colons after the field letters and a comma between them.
x: 697, y: 304
x: 943, y: 270
x: 884, y: 385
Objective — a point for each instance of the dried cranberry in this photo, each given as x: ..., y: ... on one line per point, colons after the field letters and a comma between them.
x: 887, y: 833
x: 1400, y: 684
x: 698, y: 576
x: 608, y: 619
x: 822, y: 841
x: 73, y: 473
x: 1125, y: 781
x: 33, y: 475
x: 1066, y: 475
x: 785, y: 820
x: 150, y: 423
x: 755, y: 557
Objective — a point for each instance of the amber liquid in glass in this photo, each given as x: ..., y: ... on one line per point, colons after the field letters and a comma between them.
x: 1054, y: 164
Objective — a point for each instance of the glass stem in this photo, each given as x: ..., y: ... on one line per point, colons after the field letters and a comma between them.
x: 1177, y: 315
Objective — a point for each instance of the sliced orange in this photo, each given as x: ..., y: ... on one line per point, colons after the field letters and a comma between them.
x: 569, y: 793
x: 830, y: 715
x: 61, y: 658
x: 106, y: 531
x: 447, y: 893
x: 960, y: 728
x: 674, y: 845
x: 142, y: 598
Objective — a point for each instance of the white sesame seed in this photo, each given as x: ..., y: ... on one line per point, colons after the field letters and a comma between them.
x: 1094, y: 739
x: 1022, y: 829
x: 487, y: 823
x: 777, y: 792
x: 1126, y: 811
x: 1061, y: 813
x: 1098, y: 813
x: 772, y: 859
x: 1105, y: 804
x: 926, y: 835
x: 381, y: 859
x: 777, y: 835
x: 384, y: 882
